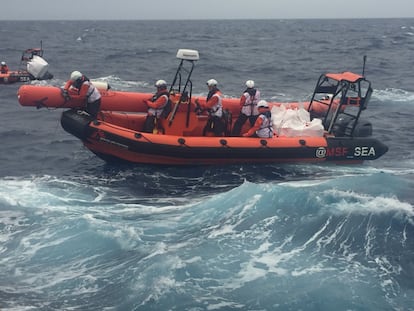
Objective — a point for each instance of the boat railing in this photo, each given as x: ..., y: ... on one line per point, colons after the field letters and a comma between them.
x: 345, y: 96
x: 183, y: 86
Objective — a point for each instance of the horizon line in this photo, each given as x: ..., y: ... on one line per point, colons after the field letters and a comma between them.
x: 199, y: 19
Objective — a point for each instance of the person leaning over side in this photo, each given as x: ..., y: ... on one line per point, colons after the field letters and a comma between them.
x: 85, y: 90
x: 4, y: 68
x: 248, y: 107
x: 215, y: 125
x: 263, y: 125
x: 156, y: 106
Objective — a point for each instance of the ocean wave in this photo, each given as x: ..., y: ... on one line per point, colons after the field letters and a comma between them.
x: 394, y: 95
x: 79, y: 233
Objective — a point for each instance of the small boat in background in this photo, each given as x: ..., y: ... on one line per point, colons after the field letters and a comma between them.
x: 330, y: 128
x: 36, y: 68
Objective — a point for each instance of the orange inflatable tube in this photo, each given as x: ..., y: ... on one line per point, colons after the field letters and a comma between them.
x: 51, y: 97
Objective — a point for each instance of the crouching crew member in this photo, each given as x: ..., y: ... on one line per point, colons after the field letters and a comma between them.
x: 215, y: 125
x: 156, y: 107
x: 263, y: 125
x: 85, y: 90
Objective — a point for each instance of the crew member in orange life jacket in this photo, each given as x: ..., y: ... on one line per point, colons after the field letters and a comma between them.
x: 86, y: 90
x: 4, y: 68
x: 215, y: 125
x: 156, y: 106
x: 248, y: 107
x: 263, y: 125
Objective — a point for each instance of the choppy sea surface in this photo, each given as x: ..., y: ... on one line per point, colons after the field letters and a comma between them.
x: 79, y: 234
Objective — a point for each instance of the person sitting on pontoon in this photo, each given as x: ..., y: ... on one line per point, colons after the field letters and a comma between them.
x: 4, y: 68
x: 263, y: 125
x: 156, y: 106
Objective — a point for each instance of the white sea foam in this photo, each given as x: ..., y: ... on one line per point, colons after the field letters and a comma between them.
x: 359, y: 203
x: 235, y: 217
x: 393, y: 95
x: 116, y: 83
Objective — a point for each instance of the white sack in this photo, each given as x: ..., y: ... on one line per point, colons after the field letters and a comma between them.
x: 37, y: 67
x: 295, y: 122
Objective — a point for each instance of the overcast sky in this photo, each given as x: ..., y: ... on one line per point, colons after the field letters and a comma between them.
x: 199, y: 9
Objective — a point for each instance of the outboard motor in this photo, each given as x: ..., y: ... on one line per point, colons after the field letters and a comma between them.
x: 76, y: 122
x: 38, y: 68
x: 343, y: 126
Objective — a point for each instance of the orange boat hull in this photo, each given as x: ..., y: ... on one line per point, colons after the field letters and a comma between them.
x: 15, y: 76
x: 112, y: 141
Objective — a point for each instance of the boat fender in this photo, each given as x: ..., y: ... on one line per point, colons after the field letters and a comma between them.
x: 101, y: 85
x: 223, y: 142
x: 181, y: 141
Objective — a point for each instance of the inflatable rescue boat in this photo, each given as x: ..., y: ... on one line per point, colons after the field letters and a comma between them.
x: 36, y: 68
x: 326, y: 129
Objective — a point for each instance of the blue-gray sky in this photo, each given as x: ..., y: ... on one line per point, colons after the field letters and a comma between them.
x: 210, y: 9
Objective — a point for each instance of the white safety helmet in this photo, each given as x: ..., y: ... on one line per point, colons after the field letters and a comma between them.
x: 160, y: 83
x: 212, y: 82
x: 3, y: 63
x: 75, y: 75
x: 250, y: 84
x: 262, y: 103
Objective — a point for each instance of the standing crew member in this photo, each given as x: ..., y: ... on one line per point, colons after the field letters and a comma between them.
x: 263, y: 125
x: 4, y: 68
x: 248, y: 107
x: 85, y: 90
x: 214, y: 106
x: 156, y: 106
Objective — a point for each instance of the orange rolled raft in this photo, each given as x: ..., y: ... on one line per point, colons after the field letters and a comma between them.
x: 52, y: 97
